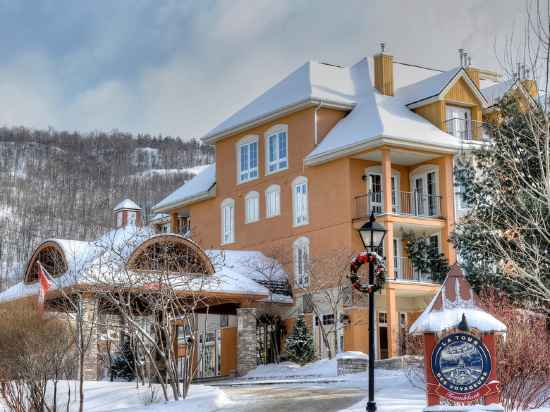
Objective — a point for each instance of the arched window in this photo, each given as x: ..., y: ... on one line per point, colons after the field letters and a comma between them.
x: 300, y: 201
x: 170, y: 253
x: 273, y: 201
x: 276, y: 145
x: 247, y: 159
x: 301, y: 262
x: 51, y: 257
x: 252, y: 207
x: 228, y: 221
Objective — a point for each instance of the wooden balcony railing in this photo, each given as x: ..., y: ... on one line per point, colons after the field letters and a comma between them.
x: 403, y: 203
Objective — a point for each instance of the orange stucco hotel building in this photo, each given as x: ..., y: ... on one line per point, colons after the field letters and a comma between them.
x: 302, y: 166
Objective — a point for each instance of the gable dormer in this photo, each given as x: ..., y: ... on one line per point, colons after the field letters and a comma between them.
x: 127, y: 213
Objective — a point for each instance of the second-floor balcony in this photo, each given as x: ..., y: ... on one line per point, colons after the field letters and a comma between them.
x: 405, y: 271
x: 468, y: 130
x: 403, y: 203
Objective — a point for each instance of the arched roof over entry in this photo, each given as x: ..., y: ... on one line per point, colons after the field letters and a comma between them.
x: 170, y: 252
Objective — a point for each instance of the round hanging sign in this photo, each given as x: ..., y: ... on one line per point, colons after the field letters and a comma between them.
x: 461, y: 364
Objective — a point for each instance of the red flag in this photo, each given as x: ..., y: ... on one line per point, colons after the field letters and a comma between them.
x: 45, y: 283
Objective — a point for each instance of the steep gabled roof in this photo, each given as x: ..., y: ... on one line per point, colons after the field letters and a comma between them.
x: 310, y: 84
x: 421, y: 92
x: 454, y: 301
x: 199, y: 187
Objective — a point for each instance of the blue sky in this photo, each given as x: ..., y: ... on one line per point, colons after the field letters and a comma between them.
x: 179, y: 67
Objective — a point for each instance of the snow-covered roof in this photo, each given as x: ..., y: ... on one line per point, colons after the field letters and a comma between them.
x: 127, y: 204
x: 424, y: 89
x: 104, y: 260
x: 455, y: 300
x: 311, y: 82
x: 497, y: 91
x: 197, y: 188
x: 160, y: 217
x: 375, y: 119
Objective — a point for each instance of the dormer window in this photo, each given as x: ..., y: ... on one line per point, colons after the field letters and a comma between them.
x: 459, y: 122
x: 248, y: 159
x: 277, y: 148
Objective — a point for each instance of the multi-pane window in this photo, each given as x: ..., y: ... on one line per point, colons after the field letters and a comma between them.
x: 228, y: 221
x: 252, y: 207
x: 300, y: 201
x: 277, y: 150
x: 301, y: 262
x: 273, y: 201
x: 132, y: 216
x: 248, y: 159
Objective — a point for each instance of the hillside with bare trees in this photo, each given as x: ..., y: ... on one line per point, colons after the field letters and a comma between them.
x: 64, y: 185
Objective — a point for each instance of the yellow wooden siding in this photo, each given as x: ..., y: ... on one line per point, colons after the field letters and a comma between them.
x: 434, y: 112
x: 461, y: 93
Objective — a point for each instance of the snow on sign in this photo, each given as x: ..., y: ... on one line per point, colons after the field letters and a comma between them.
x: 461, y: 364
x: 459, y: 348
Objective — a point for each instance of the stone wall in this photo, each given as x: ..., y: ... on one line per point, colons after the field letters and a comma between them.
x: 246, y: 340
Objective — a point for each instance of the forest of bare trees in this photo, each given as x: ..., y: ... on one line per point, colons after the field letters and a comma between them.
x: 64, y: 185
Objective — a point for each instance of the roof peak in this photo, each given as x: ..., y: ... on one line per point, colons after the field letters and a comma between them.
x: 127, y: 204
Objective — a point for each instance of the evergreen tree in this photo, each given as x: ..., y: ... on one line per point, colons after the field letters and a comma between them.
x: 426, y: 258
x: 122, y: 366
x: 299, y: 344
x: 504, y: 240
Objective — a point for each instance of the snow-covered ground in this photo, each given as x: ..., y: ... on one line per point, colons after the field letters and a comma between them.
x: 125, y: 397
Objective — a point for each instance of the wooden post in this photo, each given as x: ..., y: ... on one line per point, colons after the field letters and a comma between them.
x: 488, y: 340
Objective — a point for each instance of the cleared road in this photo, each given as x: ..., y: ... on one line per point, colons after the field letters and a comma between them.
x: 286, y: 398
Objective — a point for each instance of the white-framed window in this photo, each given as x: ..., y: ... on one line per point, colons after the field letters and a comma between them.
x: 300, y: 201
x: 247, y: 159
x: 459, y: 121
x: 252, y: 207
x: 276, y: 149
x: 301, y: 262
x: 132, y: 217
x: 425, y: 190
x: 273, y: 201
x: 228, y: 221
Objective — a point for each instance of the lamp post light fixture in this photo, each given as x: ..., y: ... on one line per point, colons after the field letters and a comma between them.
x: 372, y: 234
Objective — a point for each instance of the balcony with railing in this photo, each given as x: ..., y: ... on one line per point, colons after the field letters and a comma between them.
x: 405, y: 271
x: 468, y: 130
x: 403, y: 203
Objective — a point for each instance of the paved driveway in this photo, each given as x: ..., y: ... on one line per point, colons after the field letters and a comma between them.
x: 286, y: 398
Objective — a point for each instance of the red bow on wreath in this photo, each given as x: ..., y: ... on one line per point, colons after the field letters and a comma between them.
x: 379, y: 272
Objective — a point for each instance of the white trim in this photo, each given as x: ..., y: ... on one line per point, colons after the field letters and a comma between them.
x: 251, y: 216
x: 283, y: 111
x: 227, y: 203
x: 270, y: 132
x: 380, y: 141
x: 273, y: 189
x: 301, y: 280
x: 246, y: 141
x: 299, y: 218
x: 422, y: 172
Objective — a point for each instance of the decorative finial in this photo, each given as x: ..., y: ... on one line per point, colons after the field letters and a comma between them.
x: 463, y: 325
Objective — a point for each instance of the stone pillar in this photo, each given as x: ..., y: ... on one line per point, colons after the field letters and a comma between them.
x: 246, y: 340
x: 89, y: 327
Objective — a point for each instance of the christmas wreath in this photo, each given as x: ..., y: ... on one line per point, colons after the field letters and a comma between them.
x: 379, y: 272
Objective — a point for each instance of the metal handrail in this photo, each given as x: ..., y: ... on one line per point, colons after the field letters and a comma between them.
x: 403, y: 203
x: 404, y: 270
x: 466, y: 129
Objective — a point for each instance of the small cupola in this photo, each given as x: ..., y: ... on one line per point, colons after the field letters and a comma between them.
x: 127, y: 213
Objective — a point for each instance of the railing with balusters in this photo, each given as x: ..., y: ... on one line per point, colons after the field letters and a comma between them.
x: 404, y: 270
x: 403, y: 203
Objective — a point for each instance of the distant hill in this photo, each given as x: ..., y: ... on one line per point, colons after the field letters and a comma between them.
x: 64, y: 185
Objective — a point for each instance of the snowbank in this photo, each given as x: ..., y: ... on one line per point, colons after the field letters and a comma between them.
x: 320, y: 368
x: 123, y: 396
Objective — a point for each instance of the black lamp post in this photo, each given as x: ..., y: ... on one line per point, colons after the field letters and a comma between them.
x: 372, y: 234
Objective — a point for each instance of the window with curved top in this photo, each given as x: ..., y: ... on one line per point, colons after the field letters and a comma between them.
x: 51, y: 258
x: 277, y: 149
x: 247, y: 159
x: 301, y: 262
x: 273, y: 201
x: 228, y: 221
x: 300, y: 201
x: 252, y: 207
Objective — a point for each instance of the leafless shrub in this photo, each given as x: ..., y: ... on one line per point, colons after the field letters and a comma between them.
x: 35, y: 352
x: 523, y: 354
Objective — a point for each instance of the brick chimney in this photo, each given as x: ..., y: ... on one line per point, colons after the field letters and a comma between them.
x: 127, y: 213
x: 383, y: 72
